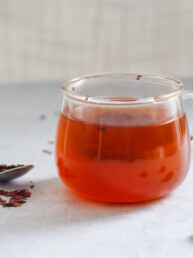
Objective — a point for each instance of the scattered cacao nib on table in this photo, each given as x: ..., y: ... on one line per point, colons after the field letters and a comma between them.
x: 17, y: 197
x: 42, y: 117
x: 4, y: 167
x: 56, y: 113
x: 191, y: 137
x: 51, y: 142
x: 47, y: 151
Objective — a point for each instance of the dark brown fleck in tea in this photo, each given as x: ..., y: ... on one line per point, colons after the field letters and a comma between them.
x: 102, y: 129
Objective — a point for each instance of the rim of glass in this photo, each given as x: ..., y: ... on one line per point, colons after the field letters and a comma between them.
x: 122, y: 101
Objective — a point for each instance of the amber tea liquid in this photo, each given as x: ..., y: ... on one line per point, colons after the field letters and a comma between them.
x: 122, y: 163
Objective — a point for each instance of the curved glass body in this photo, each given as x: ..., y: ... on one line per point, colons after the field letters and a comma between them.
x: 122, y: 137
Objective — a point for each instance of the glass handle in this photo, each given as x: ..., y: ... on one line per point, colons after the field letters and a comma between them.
x: 187, y: 94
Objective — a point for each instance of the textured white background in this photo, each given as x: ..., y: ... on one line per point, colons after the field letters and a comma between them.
x: 57, y: 223
x: 55, y: 39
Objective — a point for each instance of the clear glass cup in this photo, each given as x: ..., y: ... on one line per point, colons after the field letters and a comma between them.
x: 123, y: 137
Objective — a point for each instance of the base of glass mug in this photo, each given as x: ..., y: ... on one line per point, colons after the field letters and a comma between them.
x: 125, y: 200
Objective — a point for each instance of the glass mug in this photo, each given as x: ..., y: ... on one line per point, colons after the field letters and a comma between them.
x: 123, y: 137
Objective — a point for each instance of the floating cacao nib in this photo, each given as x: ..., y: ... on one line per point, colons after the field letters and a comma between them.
x: 102, y: 129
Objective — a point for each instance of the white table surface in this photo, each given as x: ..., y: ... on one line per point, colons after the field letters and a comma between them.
x: 57, y: 223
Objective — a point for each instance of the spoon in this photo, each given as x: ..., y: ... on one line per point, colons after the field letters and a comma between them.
x: 14, y: 173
